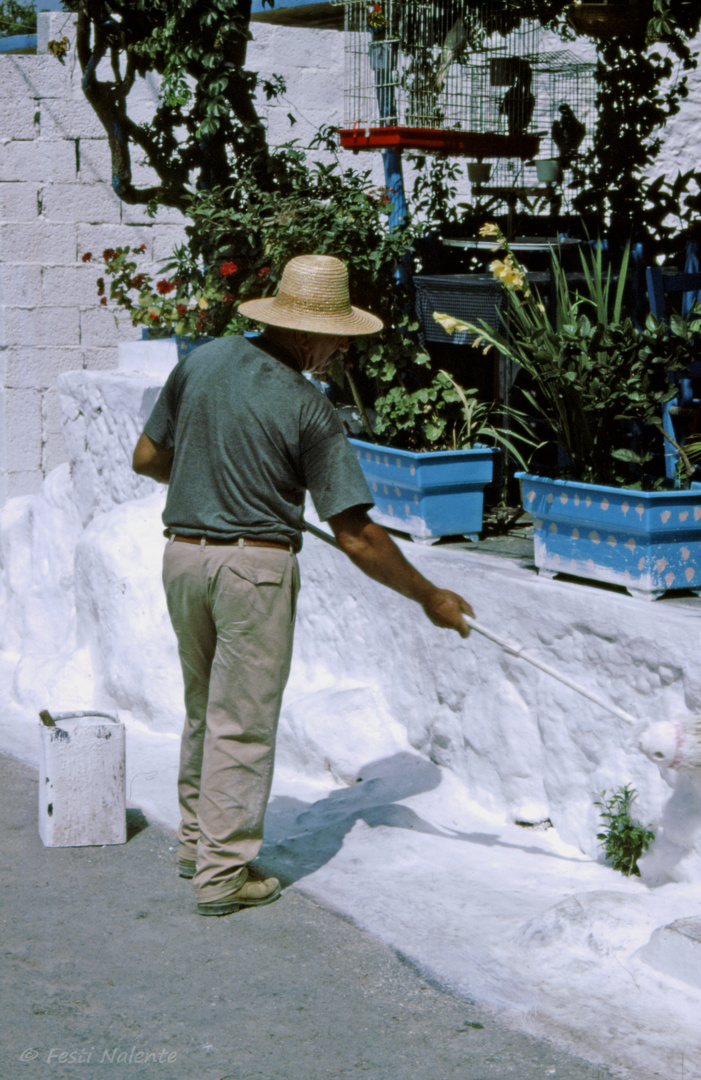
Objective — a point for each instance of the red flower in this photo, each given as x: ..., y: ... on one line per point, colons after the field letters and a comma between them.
x: 108, y: 254
x: 100, y: 286
x: 263, y: 272
x: 181, y: 310
x: 87, y: 256
x: 137, y: 282
x: 103, y: 301
x: 164, y: 287
x: 228, y: 269
x: 154, y: 317
x: 141, y: 247
x: 228, y: 298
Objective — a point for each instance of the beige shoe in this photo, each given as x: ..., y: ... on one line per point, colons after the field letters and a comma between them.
x: 255, y: 891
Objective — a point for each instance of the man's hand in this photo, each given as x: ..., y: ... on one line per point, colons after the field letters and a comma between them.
x: 446, y: 609
x: 374, y: 552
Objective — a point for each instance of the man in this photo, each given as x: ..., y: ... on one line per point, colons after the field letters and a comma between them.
x: 239, y: 435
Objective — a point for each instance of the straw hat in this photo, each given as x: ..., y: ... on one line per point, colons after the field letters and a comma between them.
x: 313, y: 296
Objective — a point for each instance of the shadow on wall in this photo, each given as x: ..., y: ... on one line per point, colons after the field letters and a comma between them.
x: 302, y: 837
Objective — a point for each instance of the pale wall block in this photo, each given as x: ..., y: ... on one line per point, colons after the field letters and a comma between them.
x: 23, y: 430
x: 53, y: 449
x: 106, y: 359
x: 18, y: 117
x: 165, y: 240
x: 100, y: 326
x: 36, y: 77
x: 91, y: 203
x: 39, y: 367
x: 136, y: 215
x: 53, y: 25
x: 95, y: 162
x: 70, y: 286
x: 68, y: 118
x: 42, y: 326
x: 18, y: 201
x: 37, y: 159
x: 23, y: 482
x: 20, y: 285
x: 40, y: 242
x: 97, y: 238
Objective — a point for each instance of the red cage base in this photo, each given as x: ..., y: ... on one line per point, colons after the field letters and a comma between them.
x: 469, y: 143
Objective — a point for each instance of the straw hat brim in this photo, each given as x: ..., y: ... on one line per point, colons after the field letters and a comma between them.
x: 274, y: 311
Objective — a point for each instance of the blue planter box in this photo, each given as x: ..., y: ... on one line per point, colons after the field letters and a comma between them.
x: 646, y: 541
x: 428, y: 495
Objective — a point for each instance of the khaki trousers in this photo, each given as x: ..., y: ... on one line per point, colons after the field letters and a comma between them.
x: 233, y: 610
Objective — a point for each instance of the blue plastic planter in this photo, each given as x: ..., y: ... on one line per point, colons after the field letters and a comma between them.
x: 646, y: 541
x: 428, y: 495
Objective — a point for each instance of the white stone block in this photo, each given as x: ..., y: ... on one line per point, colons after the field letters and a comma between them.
x: 94, y: 160
x: 676, y: 950
x: 42, y: 326
x: 39, y: 242
x: 38, y: 159
x: 19, y: 116
x: 70, y: 286
x: 102, y: 359
x: 38, y: 367
x: 54, y: 25
x: 34, y: 77
x: 20, y: 284
x: 23, y: 430
x: 82, y: 799
x: 19, y: 201
x: 97, y: 238
x: 93, y: 203
x: 150, y: 357
x: 68, y: 118
x: 24, y: 482
x: 101, y: 326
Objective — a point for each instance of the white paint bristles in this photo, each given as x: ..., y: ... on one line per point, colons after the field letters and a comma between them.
x: 675, y: 744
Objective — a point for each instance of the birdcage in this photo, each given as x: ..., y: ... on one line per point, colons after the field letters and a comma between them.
x: 439, y: 75
x: 458, y: 78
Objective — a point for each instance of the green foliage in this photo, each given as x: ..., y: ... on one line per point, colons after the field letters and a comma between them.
x: 17, y: 18
x: 205, y: 119
x: 595, y: 373
x: 624, y: 840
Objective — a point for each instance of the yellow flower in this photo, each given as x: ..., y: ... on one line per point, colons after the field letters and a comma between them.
x: 449, y: 324
x: 489, y: 230
x: 202, y: 303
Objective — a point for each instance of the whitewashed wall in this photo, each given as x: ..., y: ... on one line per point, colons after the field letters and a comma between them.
x: 56, y: 203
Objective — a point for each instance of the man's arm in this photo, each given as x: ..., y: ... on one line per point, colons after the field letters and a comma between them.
x: 151, y: 459
x: 374, y: 552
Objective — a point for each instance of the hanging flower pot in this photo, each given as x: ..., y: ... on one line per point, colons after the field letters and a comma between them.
x: 549, y: 170
x: 478, y: 172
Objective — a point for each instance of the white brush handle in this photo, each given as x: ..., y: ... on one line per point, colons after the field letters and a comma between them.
x: 516, y: 649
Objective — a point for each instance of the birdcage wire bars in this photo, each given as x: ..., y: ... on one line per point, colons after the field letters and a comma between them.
x: 437, y: 75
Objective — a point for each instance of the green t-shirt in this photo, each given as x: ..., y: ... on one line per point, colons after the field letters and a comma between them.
x: 250, y: 435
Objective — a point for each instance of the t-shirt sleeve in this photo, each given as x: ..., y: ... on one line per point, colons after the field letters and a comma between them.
x: 160, y: 425
x: 332, y: 473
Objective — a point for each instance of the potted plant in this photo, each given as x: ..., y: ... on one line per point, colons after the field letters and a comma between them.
x: 437, y: 488
x: 597, y: 386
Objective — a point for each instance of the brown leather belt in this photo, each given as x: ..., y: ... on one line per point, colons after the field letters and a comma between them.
x: 248, y: 541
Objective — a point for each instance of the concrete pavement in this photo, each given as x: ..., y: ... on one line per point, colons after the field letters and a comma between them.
x: 109, y: 973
